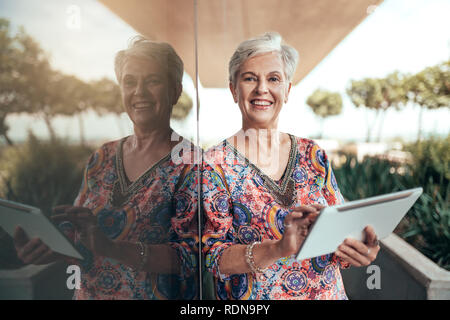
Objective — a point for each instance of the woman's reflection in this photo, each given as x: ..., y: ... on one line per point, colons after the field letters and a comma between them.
x: 134, y: 215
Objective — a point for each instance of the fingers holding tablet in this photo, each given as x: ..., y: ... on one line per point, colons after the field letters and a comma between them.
x: 32, y: 251
x: 359, y: 253
x: 81, y: 217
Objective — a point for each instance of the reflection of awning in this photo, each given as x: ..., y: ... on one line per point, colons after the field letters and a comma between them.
x: 313, y: 27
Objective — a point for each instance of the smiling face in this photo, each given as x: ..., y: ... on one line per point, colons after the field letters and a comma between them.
x: 261, y: 90
x: 145, y: 92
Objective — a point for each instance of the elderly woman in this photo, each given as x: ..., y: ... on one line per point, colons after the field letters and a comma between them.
x: 133, y: 216
x: 263, y: 188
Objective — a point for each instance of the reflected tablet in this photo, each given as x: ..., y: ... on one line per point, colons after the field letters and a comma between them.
x: 36, y: 225
x: 335, y: 224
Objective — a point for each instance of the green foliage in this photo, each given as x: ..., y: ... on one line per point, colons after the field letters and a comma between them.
x: 427, y: 224
x: 431, y: 160
x: 23, y: 71
x: 379, y: 95
x: 42, y: 174
x: 105, y: 97
x: 371, y: 177
x: 430, y: 88
x: 325, y: 103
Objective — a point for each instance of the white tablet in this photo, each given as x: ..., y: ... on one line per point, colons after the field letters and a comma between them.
x: 335, y: 224
x: 35, y: 224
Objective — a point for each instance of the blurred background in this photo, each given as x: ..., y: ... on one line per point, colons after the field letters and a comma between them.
x: 372, y: 88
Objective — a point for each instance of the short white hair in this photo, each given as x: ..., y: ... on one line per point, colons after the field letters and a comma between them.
x: 268, y: 42
x: 162, y: 52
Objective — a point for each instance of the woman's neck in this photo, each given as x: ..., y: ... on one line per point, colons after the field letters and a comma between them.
x: 262, y: 138
x: 142, y: 140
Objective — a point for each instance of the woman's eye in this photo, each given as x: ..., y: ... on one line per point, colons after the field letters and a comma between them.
x: 249, y: 79
x: 129, y: 83
x: 153, y: 82
x: 274, y: 79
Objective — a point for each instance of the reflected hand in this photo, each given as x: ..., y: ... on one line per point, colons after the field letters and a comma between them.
x: 32, y: 251
x: 296, y: 227
x: 85, y: 223
x: 359, y: 253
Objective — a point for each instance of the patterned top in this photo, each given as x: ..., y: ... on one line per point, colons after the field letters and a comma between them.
x: 243, y: 205
x: 157, y: 208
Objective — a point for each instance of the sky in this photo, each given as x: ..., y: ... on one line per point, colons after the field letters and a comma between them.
x: 82, y: 36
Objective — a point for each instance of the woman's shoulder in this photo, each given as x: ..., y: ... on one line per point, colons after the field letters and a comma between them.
x: 306, y: 145
x: 312, y: 153
x: 106, y: 151
x: 109, y: 147
x: 111, y: 144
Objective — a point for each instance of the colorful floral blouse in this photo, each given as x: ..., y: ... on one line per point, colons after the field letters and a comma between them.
x: 243, y: 205
x: 157, y: 208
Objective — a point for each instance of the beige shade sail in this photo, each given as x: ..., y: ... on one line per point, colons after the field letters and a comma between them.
x: 313, y: 27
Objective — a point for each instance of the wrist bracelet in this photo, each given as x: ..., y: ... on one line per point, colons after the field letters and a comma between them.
x: 143, y: 256
x: 251, y: 260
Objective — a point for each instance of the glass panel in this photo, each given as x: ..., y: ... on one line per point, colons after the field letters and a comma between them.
x: 120, y: 114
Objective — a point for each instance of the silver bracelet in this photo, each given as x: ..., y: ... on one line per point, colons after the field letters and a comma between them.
x: 251, y: 259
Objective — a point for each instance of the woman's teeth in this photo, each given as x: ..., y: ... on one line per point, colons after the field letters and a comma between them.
x: 142, y: 105
x: 261, y: 103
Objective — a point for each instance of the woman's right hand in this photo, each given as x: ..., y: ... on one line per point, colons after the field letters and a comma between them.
x: 296, y: 227
x: 85, y: 223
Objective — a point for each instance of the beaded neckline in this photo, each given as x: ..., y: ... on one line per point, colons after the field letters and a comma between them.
x: 123, y: 187
x: 284, y: 192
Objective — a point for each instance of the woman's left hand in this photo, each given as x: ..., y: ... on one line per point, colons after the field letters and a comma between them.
x: 359, y: 253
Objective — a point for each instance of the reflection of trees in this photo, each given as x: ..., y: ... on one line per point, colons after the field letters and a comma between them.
x: 182, y: 107
x: 28, y: 84
x: 21, y: 62
x: 325, y: 104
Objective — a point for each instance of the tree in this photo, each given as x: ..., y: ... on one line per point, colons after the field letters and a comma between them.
x: 182, y: 108
x: 23, y: 65
x: 107, y: 99
x: 76, y: 97
x: 429, y: 88
x: 393, y: 95
x: 378, y: 95
x: 325, y: 104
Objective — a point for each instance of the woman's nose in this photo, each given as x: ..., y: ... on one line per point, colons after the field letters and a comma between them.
x: 261, y: 87
x: 140, y: 89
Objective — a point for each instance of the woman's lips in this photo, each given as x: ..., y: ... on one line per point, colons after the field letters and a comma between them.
x: 142, y: 105
x: 261, y: 104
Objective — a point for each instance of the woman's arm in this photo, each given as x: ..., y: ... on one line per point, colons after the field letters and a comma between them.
x: 159, y: 258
